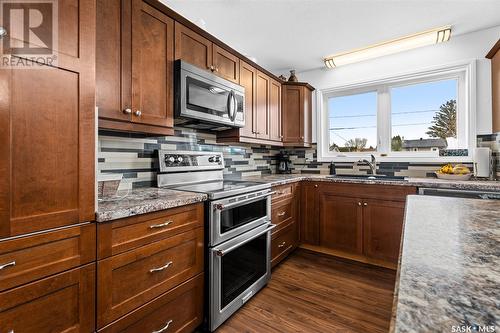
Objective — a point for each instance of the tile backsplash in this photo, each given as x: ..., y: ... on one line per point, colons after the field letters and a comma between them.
x: 134, y: 157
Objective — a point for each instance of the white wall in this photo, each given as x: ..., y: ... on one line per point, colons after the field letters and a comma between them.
x: 469, y: 46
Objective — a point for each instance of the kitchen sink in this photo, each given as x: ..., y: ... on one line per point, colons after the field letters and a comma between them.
x: 369, y: 177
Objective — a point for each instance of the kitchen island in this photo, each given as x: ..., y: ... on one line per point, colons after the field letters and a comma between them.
x: 449, y: 267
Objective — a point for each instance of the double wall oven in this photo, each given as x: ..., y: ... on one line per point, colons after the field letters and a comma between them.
x: 237, y: 233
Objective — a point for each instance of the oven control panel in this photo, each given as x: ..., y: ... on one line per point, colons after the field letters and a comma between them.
x: 178, y: 161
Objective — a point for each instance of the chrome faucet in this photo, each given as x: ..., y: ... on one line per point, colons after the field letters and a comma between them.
x: 372, y: 164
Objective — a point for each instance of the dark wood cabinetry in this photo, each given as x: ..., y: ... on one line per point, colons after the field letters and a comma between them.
x: 309, y: 211
x: 134, y: 68
x: 494, y: 55
x: 284, y: 214
x: 359, y: 222
x: 64, y: 302
x: 297, y: 114
x: 46, y: 128
x: 226, y: 64
x: 275, y: 117
x: 262, y: 106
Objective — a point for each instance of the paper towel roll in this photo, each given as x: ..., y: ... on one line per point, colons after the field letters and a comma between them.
x: 482, y: 162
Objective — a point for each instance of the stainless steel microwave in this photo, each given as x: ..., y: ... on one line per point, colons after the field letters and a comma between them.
x: 206, y: 101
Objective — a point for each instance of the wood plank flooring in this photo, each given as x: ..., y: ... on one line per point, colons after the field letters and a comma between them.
x: 310, y: 292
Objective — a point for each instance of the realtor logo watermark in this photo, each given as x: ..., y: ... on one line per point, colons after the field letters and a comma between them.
x: 28, y: 33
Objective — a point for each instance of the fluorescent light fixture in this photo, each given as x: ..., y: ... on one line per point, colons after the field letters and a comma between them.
x: 424, y: 38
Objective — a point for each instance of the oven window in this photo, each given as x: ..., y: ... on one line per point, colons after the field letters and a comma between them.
x: 240, y: 215
x: 243, y: 267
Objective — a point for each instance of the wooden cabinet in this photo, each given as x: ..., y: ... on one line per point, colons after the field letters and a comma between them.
x: 29, y: 258
x: 203, y: 53
x: 297, y: 114
x: 142, y: 258
x: 309, y: 211
x: 179, y: 310
x: 61, y: 303
x: 284, y: 214
x: 134, y: 67
x: 340, y: 222
x: 47, y: 132
x: 262, y: 109
x: 359, y: 222
x: 494, y: 55
x: 382, y: 228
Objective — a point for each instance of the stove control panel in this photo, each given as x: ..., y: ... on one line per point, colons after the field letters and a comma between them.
x: 177, y: 161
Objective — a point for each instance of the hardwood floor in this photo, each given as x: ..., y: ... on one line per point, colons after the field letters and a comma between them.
x: 310, y: 292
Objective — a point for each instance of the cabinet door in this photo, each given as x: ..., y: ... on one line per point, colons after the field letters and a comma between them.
x: 248, y: 79
x: 152, y: 66
x: 275, y: 111
x: 113, y: 59
x: 192, y: 48
x: 306, y: 118
x: 341, y: 221
x: 262, y: 106
x: 309, y: 224
x: 383, y: 225
x: 292, y: 110
x: 47, y: 132
x: 61, y: 303
x: 226, y: 64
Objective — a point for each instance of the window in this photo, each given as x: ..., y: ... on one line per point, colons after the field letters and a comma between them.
x: 419, y: 116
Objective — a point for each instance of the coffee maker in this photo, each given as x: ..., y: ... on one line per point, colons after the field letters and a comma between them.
x: 283, y: 165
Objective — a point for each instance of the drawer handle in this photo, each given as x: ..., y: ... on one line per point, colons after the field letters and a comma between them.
x: 164, y: 328
x: 280, y: 214
x: 282, y: 245
x: 162, y: 225
x: 167, y: 265
x: 9, y: 264
x: 280, y: 192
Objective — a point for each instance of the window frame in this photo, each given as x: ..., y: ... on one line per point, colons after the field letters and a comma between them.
x: 464, y: 72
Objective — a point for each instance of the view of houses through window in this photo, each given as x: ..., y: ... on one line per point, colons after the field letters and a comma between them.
x: 420, y: 116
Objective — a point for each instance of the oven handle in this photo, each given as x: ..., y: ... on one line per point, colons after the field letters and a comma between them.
x: 222, y: 253
x: 220, y: 206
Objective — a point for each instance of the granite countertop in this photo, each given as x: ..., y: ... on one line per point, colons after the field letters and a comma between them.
x: 485, y: 185
x: 449, y: 270
x: 143, y: 200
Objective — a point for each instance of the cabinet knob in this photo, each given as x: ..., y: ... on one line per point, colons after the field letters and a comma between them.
x: 365, y: 204
x: 359, y: 203
x: 212, y: 68
x: 138, y: 113
x: 281, y: 136
x: 217, y: 69
x: 3, y: 32
x: 301, y: 138
x: 127, y: 111
x: 316, y: 186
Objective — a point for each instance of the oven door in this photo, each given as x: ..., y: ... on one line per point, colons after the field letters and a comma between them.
x: 239, y: 268
x: 205, y: 97
x: 230, y: 217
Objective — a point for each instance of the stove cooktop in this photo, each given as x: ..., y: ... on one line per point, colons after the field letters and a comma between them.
x: 223, y: 188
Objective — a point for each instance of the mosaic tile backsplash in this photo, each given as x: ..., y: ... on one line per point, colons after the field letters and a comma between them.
x: 135, y: 158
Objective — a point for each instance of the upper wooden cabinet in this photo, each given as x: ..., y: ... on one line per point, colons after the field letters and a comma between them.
x: 134, y: 68
x: 201, y: 52
x: 47, y: 132
x: 297, y: 114
x: 262, y: 109
x: 494, y: 55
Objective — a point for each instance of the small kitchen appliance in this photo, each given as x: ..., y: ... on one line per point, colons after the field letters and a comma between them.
x: 283, y: 163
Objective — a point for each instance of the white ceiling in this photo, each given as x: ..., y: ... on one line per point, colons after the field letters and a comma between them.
x: 284, y: 34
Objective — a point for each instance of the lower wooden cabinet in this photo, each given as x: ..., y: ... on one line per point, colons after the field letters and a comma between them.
x: 283, y: 242
x: 63, y: 302
x: 355, y: 221
x: 179, y: 310
x: 128, y: 280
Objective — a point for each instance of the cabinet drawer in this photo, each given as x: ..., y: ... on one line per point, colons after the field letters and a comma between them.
x: 133, y: 232
x: 60, y: 303
x: 282, y: 243
x: 26, y: 259
x: 181, y: 309
x: 131, y: 279
x: 283, y: 212
x: 283, y: 192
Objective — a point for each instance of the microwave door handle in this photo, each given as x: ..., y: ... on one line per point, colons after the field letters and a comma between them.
x: 229, y: 104
x: 235, y: 107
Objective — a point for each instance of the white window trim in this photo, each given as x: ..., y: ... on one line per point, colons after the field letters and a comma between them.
x: 465, y: 71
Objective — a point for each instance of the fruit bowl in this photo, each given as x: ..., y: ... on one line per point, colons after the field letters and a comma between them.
x: 450, y: 176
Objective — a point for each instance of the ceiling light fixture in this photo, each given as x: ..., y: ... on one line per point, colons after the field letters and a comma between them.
x: 424, y: 38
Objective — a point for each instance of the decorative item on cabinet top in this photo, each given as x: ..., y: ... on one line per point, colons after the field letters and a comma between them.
x: 293, y: 77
